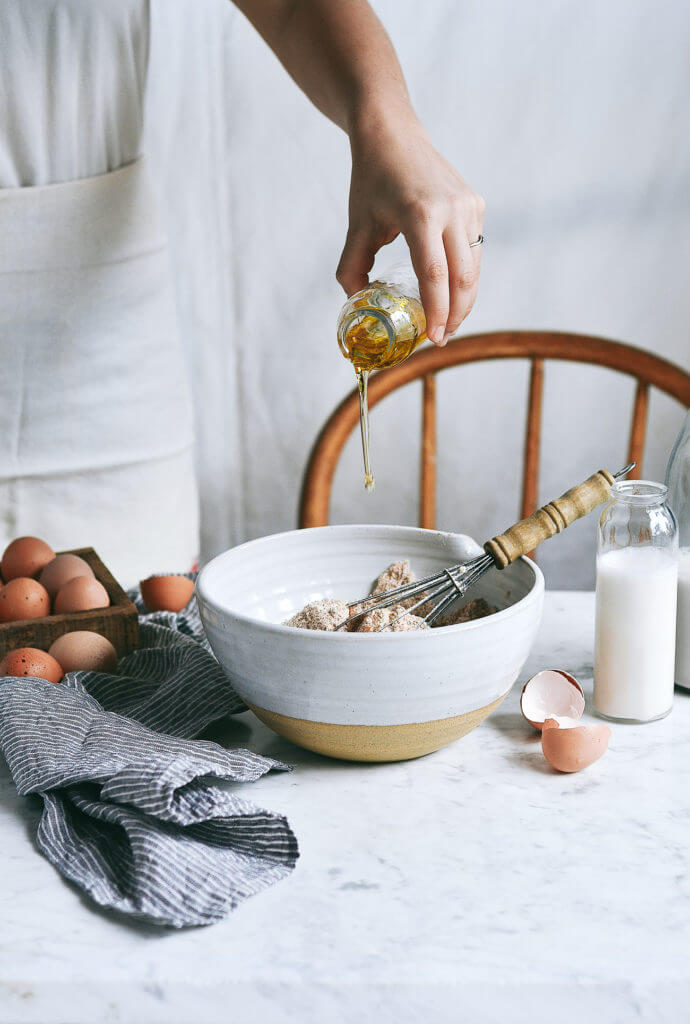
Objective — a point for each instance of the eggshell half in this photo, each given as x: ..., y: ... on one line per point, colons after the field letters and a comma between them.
x: 25, y: 556
x: 82, y: 649
x: 571, y: 750
x: 552, y: 693
x: 61, y: 570
x: 81, y: 594
x: 166, y: 593
x: 29, y: 661
x: 23, y: 598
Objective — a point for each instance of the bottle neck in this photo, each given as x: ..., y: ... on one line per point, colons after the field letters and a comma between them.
x: 639, y: 493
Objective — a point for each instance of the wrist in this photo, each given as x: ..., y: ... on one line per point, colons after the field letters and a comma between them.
x: 387, y: 113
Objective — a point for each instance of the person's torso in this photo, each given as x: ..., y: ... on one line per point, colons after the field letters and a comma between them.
x: 72, y: 81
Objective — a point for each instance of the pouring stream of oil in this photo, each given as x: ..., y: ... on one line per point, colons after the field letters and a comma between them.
x: 362, y: 385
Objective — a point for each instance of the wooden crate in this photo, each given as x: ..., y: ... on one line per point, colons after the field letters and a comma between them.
x: 119, y: 623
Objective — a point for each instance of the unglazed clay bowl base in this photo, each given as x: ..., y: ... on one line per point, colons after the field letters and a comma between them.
x: 375, y: 742
x: 363, y: 697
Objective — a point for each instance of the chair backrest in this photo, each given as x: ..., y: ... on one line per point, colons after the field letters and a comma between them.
x: 649, y: 370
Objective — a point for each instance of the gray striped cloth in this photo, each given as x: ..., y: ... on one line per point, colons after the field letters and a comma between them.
x: 136, y: 812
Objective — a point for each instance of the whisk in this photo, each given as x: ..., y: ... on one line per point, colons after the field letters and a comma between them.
x: 444, y: 588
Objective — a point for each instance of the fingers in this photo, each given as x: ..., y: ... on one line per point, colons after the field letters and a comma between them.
x: 464, y: 261
x: 431, y: 267
x: 463, y: 275
x: 356, y: 261
x: 447, y: 267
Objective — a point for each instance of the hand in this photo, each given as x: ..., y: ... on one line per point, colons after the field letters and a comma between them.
x: 400, y: 184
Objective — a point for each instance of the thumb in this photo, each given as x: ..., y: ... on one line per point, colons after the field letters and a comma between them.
x: 356, y: 261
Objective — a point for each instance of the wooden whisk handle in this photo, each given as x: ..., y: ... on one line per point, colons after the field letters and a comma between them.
x: 550, y: 519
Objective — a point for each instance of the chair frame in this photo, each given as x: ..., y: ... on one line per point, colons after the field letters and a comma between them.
x: 648, y: 369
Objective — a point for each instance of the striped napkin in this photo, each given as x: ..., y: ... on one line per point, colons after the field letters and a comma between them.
x: 137, y: 812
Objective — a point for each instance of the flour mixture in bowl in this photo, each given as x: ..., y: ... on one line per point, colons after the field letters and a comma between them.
x: 329, y: 613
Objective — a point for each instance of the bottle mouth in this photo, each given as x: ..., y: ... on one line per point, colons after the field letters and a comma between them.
x: 359, y: 314
x: 639, y: 492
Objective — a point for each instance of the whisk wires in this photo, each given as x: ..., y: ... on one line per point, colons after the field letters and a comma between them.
x: 443, y: 589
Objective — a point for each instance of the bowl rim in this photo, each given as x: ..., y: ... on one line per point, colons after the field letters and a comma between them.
x: 329, y: 636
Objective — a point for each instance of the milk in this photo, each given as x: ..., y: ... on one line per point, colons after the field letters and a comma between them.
x: 683, y: 621
x: 635, y: 632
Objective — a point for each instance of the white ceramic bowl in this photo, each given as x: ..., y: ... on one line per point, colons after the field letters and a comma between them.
x: 372, y: 697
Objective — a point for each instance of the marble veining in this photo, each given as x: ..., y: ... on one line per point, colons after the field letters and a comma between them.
x: 474, y: 885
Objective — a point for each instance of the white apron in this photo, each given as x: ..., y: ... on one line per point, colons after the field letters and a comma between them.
x: 95, y: 412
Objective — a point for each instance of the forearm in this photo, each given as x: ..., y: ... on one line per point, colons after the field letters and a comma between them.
x: 339, y: 54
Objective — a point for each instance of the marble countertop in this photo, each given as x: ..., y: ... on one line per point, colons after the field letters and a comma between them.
x: 474, y: 885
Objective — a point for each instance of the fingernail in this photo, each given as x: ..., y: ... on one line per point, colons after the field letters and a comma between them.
x: 436, y: 335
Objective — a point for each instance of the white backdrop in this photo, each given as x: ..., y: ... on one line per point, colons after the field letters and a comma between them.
x: 569, y: 116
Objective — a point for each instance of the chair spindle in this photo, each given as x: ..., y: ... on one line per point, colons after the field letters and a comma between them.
x: 427, y: 494
x: 530, y: 476
x: 638, y: 428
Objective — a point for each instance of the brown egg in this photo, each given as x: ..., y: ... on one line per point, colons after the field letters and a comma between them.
x: 23, y: 598
x: 571, y: 750
x: 166, y: 593
x: 83, y: 649
x: 29, y: 661
x: 81, y: 594
x: 555, y: 694
x: 61, y: 570
x: 25, y: 556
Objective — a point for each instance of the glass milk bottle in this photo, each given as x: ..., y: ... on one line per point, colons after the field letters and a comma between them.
x: 678, y: 483
x: 635, y: 631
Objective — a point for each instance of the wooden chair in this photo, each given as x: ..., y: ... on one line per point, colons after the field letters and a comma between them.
x: 649, y: 371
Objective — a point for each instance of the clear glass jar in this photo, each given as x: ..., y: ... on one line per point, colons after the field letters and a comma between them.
x: 383, y: 323
x: 635, y: 630
x: 678, y: 483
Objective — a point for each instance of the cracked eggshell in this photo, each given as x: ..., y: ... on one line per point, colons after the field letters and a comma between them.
x: 571, y: 750
x: 553, y: 694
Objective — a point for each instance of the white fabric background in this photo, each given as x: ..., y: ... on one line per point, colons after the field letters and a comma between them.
x: 569, y: 116
x: 72, y: 77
